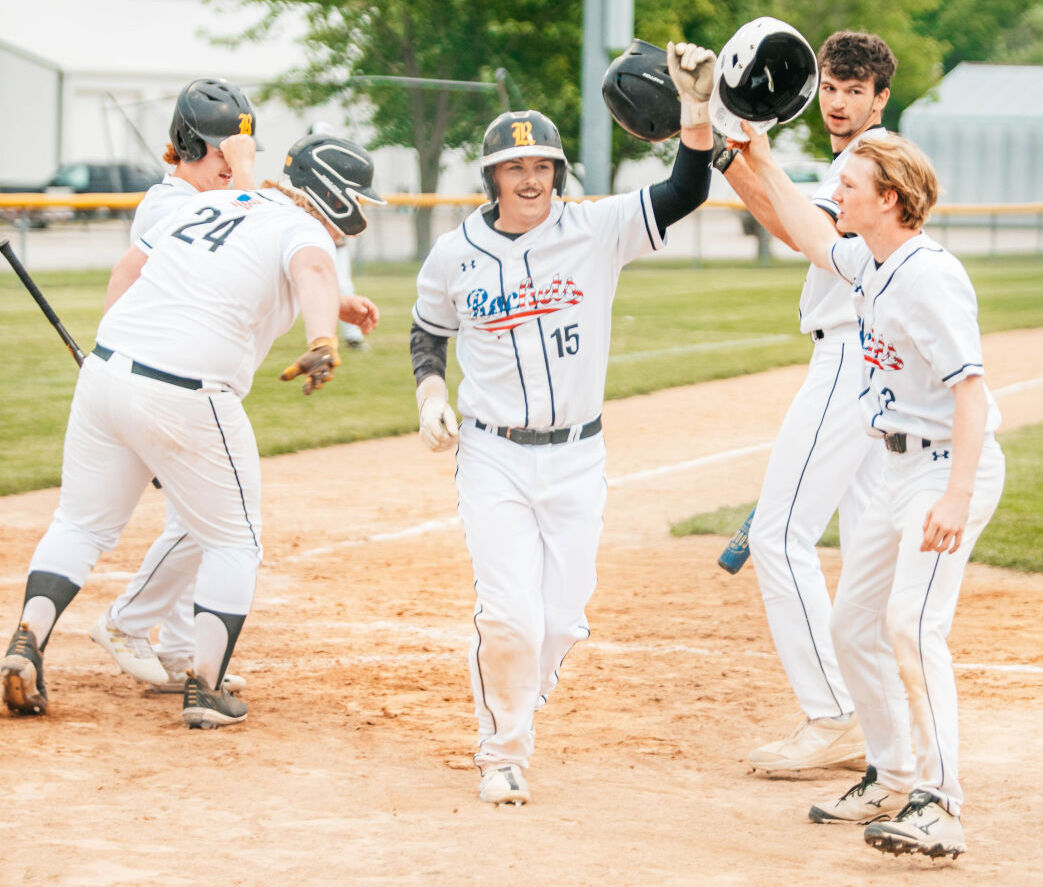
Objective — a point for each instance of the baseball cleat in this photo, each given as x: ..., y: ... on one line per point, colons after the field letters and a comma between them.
x: 133, y: 655
x: 504, y: 785
x: 923, y: 826
x: 207, y: 709
x: 176, y: 672
x: 22, y: 674
x: 865, y: 802
x: 817, y: 742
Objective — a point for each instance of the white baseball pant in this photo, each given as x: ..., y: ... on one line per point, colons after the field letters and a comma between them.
x: 126, y: 428
x: 893, y: 611
x: 532, y: 516
x: 163, y: 591
x: 822, y: 461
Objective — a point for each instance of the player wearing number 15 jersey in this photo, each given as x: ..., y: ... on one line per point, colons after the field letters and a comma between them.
x: 196, y: 305
x: 525, y: 285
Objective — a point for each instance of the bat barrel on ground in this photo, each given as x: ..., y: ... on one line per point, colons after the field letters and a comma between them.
x: 45, y: 307
x: 738, y: 549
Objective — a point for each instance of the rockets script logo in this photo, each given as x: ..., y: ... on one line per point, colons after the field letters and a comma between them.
x: 497, y: 314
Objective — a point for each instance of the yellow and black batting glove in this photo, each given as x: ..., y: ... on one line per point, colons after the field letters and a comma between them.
x: 316, y: 363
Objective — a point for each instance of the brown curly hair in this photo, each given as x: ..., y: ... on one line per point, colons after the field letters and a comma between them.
x: 854, y: 55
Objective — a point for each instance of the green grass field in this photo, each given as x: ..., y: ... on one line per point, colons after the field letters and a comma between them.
x: 673, y: 325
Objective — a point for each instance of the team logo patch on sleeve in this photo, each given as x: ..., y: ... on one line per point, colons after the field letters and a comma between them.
x: 496, y: 314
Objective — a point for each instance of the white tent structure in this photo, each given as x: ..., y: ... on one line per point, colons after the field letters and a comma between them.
x: 982, y: 127
x: 97, y: 80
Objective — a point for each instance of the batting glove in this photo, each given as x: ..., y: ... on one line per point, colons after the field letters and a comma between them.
x: 316, y: 363
x: 691, y: 69
x: 438, y: 426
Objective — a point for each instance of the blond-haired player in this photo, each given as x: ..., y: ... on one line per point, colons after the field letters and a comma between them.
x: 926, y: 403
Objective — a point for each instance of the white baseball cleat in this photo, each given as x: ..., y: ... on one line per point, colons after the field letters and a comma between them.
x: 504, y: 784
x: 818, y: 742
x: 923, y: 826
x: 133, y: 655
x: 865, y: 802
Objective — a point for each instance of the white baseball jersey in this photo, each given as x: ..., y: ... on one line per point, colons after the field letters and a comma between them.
x: 160, y: 201
x: 825, y: 302
x: 181, y: 296
x: 533, y: 315
x: 919, y: 323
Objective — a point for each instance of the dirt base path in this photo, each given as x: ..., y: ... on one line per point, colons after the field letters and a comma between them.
x: 354, y: 764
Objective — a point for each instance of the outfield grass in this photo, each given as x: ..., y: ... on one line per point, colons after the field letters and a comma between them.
x: 674, y: 325
x: 1012, y: 538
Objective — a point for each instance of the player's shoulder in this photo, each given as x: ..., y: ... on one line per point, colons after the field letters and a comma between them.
x: 927, y: 261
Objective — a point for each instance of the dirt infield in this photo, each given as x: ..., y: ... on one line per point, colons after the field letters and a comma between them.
x: 354, y: 764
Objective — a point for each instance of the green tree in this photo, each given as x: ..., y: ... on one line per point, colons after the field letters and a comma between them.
x: 1022, y: 44
x: 967, y: 29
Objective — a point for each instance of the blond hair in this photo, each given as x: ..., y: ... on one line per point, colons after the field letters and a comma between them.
x: 903, y: 168
x: 299, y: 199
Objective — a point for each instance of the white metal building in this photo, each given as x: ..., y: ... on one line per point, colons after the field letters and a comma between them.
x: 982, y: 127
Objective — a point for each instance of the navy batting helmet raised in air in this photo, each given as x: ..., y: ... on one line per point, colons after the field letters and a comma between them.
x: 332, y: 172
x: 522, y: 134
x: 766, y: 74
x: 640, y: 95
x: 207, y: 112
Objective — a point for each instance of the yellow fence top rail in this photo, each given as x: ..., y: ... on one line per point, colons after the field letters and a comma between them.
x: 426, y: 201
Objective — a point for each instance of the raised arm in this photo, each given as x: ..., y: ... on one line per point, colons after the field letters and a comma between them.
x: 810, y: 230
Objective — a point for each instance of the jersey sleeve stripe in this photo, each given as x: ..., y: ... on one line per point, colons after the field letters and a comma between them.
x: 833, y: 262
x: 644, y: 214
x: 963, y: 369
x: 432, y: 327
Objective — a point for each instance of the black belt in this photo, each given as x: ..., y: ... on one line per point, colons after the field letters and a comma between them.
x: 898, y: 442
x: 140, y: 369
x: 531, y: 437
x: 818, y: 334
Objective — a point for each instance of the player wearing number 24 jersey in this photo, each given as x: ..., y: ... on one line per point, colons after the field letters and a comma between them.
x: 525, y: 284
x: 195, y: 307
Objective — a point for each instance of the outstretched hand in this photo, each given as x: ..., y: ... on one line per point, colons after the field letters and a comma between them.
x: 316, y: 363
x: 360, y: 311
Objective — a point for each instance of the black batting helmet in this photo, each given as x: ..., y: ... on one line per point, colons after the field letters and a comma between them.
x: 640, y: 95
x: 209, y: 111
x: 766, y: 74
x: 522, y: 134
x: 331, y: 172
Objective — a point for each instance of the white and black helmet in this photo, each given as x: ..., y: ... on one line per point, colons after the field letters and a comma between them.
x: 766, y: 73
x: 522, y: 134
x: 332, y: 172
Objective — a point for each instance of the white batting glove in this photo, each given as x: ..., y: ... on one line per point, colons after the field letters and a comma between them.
x: 691, y: 69
x: 438, y: 425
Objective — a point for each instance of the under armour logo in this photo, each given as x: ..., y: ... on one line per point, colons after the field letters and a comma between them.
x: 939, y: 454
x: 926, y: 827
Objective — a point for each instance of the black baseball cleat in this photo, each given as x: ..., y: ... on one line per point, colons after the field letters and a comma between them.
x: 22, y: 674
x: 923, y: 826
x: 207, y: 709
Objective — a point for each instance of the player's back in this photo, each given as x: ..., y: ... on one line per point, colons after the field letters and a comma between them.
x: 215, y: 291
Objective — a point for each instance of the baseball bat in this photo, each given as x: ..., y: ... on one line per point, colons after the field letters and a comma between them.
x: 45, y: 307
x: 738, y: 548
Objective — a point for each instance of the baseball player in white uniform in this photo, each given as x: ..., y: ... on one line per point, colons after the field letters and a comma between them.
x: 821, y: 461
x: 196, y: 305
x: 526, y: 285
x: 211, y: 148
x: 925, y: 403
